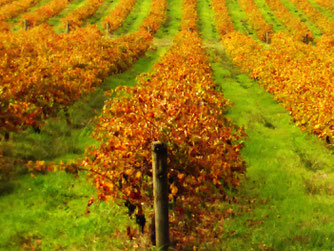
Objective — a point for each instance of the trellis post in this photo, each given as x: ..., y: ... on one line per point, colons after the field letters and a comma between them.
x: 160, y: 192
x: 25, y: 25
x: 108, y: 28
x: 67, y: 27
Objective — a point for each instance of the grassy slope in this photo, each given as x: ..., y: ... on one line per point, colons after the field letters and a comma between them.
x: 290, y: 175
x: 288, y: 185
x: 48, y: 211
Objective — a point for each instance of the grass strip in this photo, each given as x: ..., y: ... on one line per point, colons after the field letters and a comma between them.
x: 206, y: 23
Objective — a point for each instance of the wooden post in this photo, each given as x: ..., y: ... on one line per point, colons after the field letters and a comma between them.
x: 267, y: 37
x: 108, y: 28
x: 25, y: 24
x: 307, y: 39
x: 160, y: 191
x: 67, y: 27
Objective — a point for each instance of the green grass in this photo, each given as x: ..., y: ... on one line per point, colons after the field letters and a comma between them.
x: 128, y: 78
x: 173, y: 20
x: 135, y: 18
x: 56, y: 20
x: 47, y: 213
x: 286, y: 198
x: 206, y: 24
x: 102, y: 12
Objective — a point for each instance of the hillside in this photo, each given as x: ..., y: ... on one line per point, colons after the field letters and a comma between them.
x: 240, y: 91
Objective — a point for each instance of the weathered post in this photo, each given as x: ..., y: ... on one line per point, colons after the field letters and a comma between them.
x: 25, y: 25
x: 307, y: 39
x: 267, y: 37
x: 160, y: 192
x: 67, y: 27
x: 108, y: 28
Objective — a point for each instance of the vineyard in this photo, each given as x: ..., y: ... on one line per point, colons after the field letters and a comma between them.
x: 241, y: 93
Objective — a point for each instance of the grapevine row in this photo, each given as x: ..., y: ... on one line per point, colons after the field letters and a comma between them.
x: 4, y: 2
x: 304, y: 85
x: 43, y: 72
x: 119, y: 14
x: 16, y: 8
x: 42, y: 14
x: 323, y: 22
x: 76, y: 17
x: 327, y: 4
x: 189, y: 18
x: 223, y: 19
x: 295, y: 27
x: 4, y: 26
x: 256, y: 19
x: 177, y: 104
x: 155, y: 18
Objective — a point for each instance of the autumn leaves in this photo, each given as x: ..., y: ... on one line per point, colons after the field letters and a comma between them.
x: 177, y: 104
